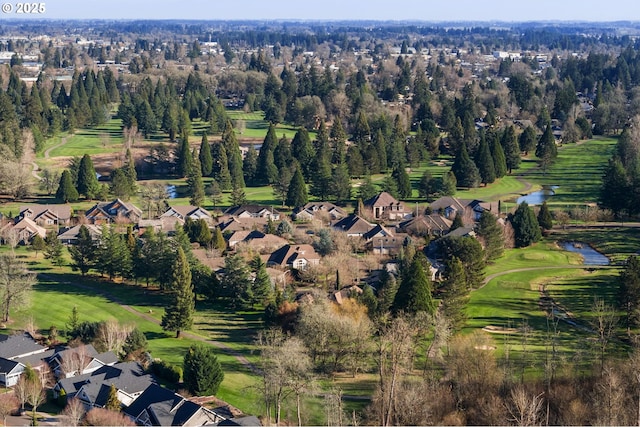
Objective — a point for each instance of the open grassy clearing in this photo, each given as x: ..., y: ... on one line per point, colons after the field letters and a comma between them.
x: 577, y: 170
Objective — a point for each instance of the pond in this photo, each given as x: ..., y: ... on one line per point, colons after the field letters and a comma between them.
x: 589, y: 255
x: 539, y: 197
x: 172, y: 192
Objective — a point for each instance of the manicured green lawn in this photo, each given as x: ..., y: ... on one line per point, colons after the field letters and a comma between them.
x: 106, y: 138
x: 577, y: 170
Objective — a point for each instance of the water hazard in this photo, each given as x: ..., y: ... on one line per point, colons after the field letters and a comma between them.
x: 539, y: 197
x: 589, y: 255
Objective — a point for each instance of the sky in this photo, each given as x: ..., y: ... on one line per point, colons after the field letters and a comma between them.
x: 397, y: 10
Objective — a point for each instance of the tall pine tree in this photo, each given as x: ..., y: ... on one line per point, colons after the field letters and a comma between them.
x: 178, y: 314
x: 88, y: 185
x: 414, y: 293
x: 206, y: 161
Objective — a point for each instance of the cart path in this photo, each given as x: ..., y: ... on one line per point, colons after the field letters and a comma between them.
x: 47, y: 152
x: 555, y: 267
x: 222, y: 346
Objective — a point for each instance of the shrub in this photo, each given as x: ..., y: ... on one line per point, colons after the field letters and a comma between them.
x: 166, y: 371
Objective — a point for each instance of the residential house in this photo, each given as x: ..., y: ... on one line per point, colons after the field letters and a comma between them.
x: 248, y: 421
x: 16, y: 351
x: 47, y: 215
x: 258, y: 240
x: 22, y: 231
x: 384, y: 206
x: 434, y: 225
x: 68, y: 362
x: 449, y: 207
x: 353, y: 225
x: 70, y: 236
x: 381, y: 241
x: 230, y: 224
x: 298, y: 257
x: 183, y: 212
x: 116, y: 211
x: 159, y: 406
x: 318, y: 211
x: 92, y: 389
x: 253, y: 211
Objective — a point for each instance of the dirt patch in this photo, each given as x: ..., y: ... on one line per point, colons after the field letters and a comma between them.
x: 485, y: 347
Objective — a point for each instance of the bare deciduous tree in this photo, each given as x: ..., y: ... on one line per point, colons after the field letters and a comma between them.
x: 15, y: 283
x: 8, y: 404
x: 112, y: 335
x: 105, y: 417
x: 74, y: 361
x: 74, y: 412
x: 525, y: 408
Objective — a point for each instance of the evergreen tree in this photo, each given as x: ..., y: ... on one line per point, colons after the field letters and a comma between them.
x: 457, y: 223
x: 511, y: 149
x: 341, y: 183
x: 236, y: 282
x: 302, y: 150
x: 87, y: 184
x: 234, y: 155
x: 37, y: 244
x: 238, y: 197
x: 528, y: 140
x: 387, y: 291
x: 217, y: 240
x: 266, y: 171
x: 544, y: 217
x: 403, y: 182
x: 221, y: 166
x: 490, y: 233
x: 546, y: 150
x: 184, y: 159
x: 367, y: 190
x: 414, y: 293
x: 129, y: 170
x: 178, y: 314
x: 449, y: 184
x: 499, y: 160
x: 616, y: 187
x: 113, y: 403
x: 113, y: 255
x: 120, y: 184
x: 425, y: 185
x: 484, y: 161
x: 321, y: 178
x: 355, y: 162
x: 83, y: 253
x: 525, y: 226
x: 455, y: 295
x: 338, y: 138
x: 297, y: 193
x: 206, y: 161
x: 249, y: 165
x: 629, y: 291
x: 195, y: 186
x: 53, y: 248
x: 214, y: 192
x: 202, y: 371
x: 262, y: 289
x: 66, y: 192
x: 470, y: 252
x: 465, y: 170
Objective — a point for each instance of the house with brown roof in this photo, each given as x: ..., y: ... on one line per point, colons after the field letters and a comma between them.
x: 184, y: 212
x: 353, y: 225
x: 384, y: 206
x: 318, y: 210
x: 229, y: 224
x: 253, y: 211
x: 298, y: 257
x: 449, y: 207
x: 434, y: 225
x: 116, y: 211
x: 46, y: 215
x: 23, y: 231
x: 70, y: 236
x: 256, y: 239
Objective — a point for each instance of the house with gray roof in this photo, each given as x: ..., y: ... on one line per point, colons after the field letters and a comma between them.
x: 46, y: 215
x: 183, y: 212
x: 159, y: 406
x: 70, y: 235
x: 16, y: 352
x: 92, y: 389
x: 353, y: 225
x: 68, y: 362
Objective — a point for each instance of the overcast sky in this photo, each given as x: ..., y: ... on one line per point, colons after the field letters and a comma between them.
x: 426, y: 10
